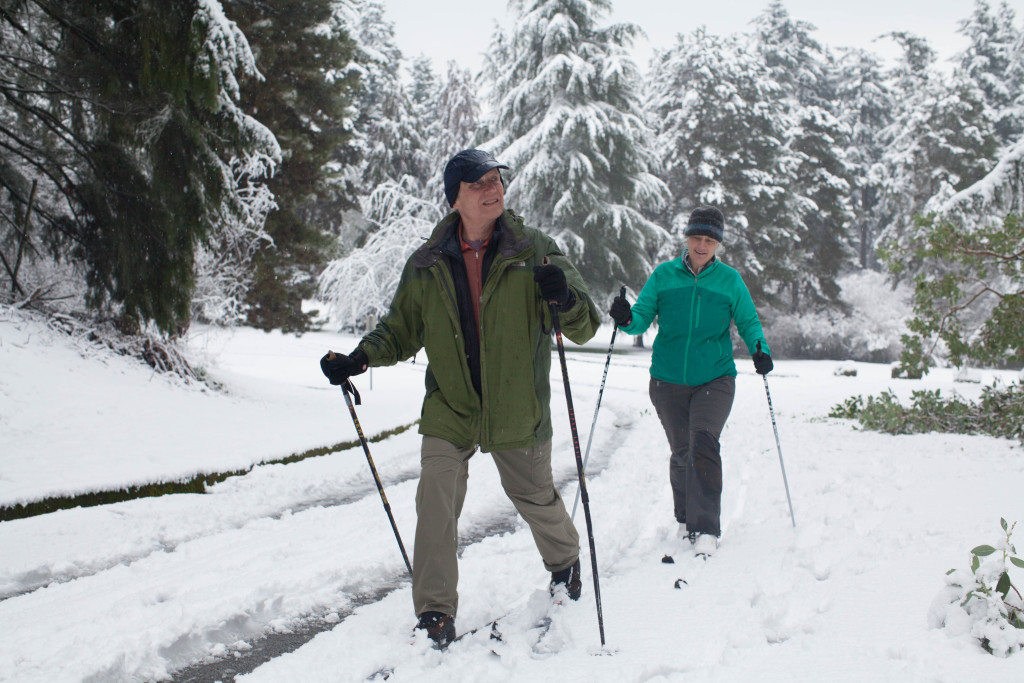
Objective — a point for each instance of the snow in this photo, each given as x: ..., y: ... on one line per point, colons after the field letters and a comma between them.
x: 140, y: 589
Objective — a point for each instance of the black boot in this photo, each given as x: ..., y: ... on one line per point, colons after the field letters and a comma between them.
x: 440, y: 628
x: 570, y: 579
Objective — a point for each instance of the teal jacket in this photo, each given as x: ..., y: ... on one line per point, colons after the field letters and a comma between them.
x: 694, y: 312
x: 509, y: 356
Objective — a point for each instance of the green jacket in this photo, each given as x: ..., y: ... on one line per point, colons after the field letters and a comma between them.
x: 510, y: 359
x: 694, y: 312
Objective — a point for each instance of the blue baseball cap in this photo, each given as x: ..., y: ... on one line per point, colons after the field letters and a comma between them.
x: 468, y: 166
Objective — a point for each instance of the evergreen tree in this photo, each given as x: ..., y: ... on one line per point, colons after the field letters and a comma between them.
x: 866, y: 107
x: 141, y: 151
x: 305, y: 98
x: 994, y: 61
x: 393, y: 143
x: 818, y: 143
x: 458, y: 116
x: 423, y: 91
x: 941, y: 141
x: 566, y: 116
x: 721, y: 122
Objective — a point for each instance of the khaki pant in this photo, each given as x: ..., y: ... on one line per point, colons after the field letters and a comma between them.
x: 525, y: 476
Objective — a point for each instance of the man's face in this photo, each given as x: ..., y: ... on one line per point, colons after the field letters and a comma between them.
x: 483, y: 201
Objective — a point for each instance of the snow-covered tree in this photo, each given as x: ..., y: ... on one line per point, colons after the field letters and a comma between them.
x: 817, y: 141
x: 423, y: 90
x: 128, y: 120
x: 306, y: 98
x: 994, y: 61
x: 394, y: 147
x: 721, y: 122
x: 566, y: 116
x: 941, y: 141
x: 458, y: 120
x: 362, y: 282
x: 866, y: 107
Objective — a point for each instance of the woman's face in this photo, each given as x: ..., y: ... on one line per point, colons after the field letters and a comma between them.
x: 702, y: 249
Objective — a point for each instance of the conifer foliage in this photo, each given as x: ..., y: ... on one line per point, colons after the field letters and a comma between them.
x: 305, y: 97
x: 721, y: 123
x: 124, y: 115
x: 567, y: 117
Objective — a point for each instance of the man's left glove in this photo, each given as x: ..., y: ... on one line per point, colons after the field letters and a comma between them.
x: 762, y: 361
x: 338, y: 368
x: 553, y: 286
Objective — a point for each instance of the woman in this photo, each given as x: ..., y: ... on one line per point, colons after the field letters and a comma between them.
x: 693, y: 377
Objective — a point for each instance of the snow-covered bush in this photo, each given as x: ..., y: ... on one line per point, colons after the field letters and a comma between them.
x: 363, y: 281
x: 869, y: 331
x: 983, y: 601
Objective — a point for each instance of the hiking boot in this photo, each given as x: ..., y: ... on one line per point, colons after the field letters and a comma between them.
x: 569, y: 580
x: 706, y: 545
x: 440, y: 628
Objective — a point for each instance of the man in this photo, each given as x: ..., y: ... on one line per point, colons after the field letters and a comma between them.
x: 476, y: 297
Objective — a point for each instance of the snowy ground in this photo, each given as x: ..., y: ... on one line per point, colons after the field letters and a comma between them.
x: 142, y: 589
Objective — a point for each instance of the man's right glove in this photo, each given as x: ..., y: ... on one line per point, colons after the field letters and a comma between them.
x: 338, y: 368
x: 621, y: 312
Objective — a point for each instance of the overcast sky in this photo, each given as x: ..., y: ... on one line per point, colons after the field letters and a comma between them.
x: 459, y: 30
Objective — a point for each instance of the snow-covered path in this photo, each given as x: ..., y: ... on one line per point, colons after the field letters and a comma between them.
x: 139, y: 590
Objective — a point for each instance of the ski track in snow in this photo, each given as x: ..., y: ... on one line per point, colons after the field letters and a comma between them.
x: 307, y: 542
x: 265, y: 516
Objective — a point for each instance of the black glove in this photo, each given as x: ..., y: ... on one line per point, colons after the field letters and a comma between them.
x: 762, y: 361
x: 553, y: 286
x: 621, y: 312
x: 338, y: 368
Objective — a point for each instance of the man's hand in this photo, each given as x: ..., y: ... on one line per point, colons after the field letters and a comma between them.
x: 553, y: 286
x: 762, y: 361
x: 338, y: 368
x: 621, y: 312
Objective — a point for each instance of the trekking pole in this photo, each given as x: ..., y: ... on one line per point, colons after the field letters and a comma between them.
x: 346, y: 388
x: 593, y: 425
x: 557, y: 327
x: 778, y: 445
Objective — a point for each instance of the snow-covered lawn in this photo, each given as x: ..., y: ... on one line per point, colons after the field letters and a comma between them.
x: 141, y: 589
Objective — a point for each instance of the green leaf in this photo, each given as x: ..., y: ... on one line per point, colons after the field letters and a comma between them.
x: 1002, y: 521
x: 953, y: 570
x: 983, y: 550
x: 1003, y: 587
x: 1017, y: 561
x: 975, y: 563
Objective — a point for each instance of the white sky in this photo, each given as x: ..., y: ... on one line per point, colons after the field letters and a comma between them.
x: 455, y: 30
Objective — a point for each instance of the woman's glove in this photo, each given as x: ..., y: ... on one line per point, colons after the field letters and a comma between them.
x: 620, y: 311
x: 762, y: 361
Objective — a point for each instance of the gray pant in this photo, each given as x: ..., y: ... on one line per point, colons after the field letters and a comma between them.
x: 693, y: 419
x: 526, y: 477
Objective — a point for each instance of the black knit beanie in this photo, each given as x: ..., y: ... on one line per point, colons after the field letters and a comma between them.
x: 706, y: 220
